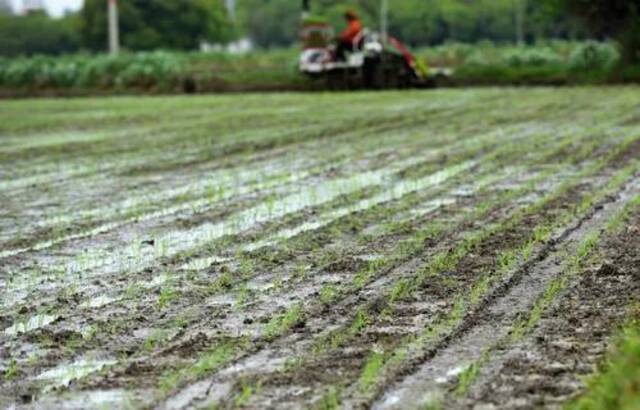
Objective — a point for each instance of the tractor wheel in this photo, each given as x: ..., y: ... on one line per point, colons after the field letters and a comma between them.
x: 336, y: 80
x: 399, y: 74
x: 373, y: 75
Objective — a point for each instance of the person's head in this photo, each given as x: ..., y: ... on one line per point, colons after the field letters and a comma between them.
x: 351, y: 15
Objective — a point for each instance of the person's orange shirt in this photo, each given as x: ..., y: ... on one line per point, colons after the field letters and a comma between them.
x: 352, y: 31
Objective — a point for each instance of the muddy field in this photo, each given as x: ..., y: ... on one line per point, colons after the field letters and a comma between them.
x: 454, y: 249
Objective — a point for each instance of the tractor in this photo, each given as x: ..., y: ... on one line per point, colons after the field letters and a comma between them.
x: 378, y: 61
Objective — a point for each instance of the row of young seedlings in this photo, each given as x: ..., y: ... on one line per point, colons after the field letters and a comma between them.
x: 282, y: 323
x: 154, y: 136
x: 344, y: 208
x: 467, y: 302
x: 276, y: 326
x: 202, y: 118
x: 161, y: 255
x: 202, y: 150
x: 582, y: 212
x: 401, y: 288
x: 326, y: 207
x: 225, y: 283
x: 84, y: 261
x: 585, y: 254
x: 98, y: 159
x: 120, y: 167
x: 163, y: 299
x: 138, y: 209
x: 308, y: 234
x: 207, y: 196
x: 232, y: 227
x: 272, y: 329
x: 205, y: 366
x: 189, y: 253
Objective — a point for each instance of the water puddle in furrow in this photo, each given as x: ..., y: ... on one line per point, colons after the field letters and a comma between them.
x: 172, y: 243
x: 157, y: 214
x: 78, y: 168
x: 204, y: 263
x: 451, y: 374
x: 98, y: 301
x: 400, y: 190
x: 136, y: 257
x: 96, y: 399
x: 225, y: 182
x: 35, y: 322
x: 64, y: 374
x: 233, y: 189
x: 397, y: 191
x: 209, y: 392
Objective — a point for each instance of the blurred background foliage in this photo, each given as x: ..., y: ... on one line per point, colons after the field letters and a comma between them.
x: 485, y: 41
x: 186, y: 24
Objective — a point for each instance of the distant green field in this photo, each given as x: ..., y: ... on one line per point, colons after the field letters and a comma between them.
x: 551, y: 63
x: 414, y: 249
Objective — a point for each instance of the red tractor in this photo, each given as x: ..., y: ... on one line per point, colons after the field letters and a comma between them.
x: 376, y: 60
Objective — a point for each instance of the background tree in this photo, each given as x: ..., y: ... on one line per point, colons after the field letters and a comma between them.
x: 417, y: 22
x: 148, y: 25
x: 269, y: 23
x: 619, y: 19
x: 36, y: 33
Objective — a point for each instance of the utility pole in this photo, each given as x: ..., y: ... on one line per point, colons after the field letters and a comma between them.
x: 384, y: 20
x: 114, y: 40
x: 231, y: 9
x: 521, y: 15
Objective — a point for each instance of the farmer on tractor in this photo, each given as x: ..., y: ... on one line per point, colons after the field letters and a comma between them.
x: 358, y: 57
x: 347, y: 41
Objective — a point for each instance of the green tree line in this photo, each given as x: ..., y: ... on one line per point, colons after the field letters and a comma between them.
x: 185, y: 24
x: 144, y: 25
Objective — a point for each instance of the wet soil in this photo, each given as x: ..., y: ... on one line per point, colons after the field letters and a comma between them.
x: 549, y: 366
x: 167, y: 307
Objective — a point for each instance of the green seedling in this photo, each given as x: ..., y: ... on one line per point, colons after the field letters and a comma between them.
x: 371, y: 370
x: 12, y: 371
x: 246, y: 392
x: 284, y: 322
x: 167, y: 296
x: 328, y: 294
x: 330, y: 400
